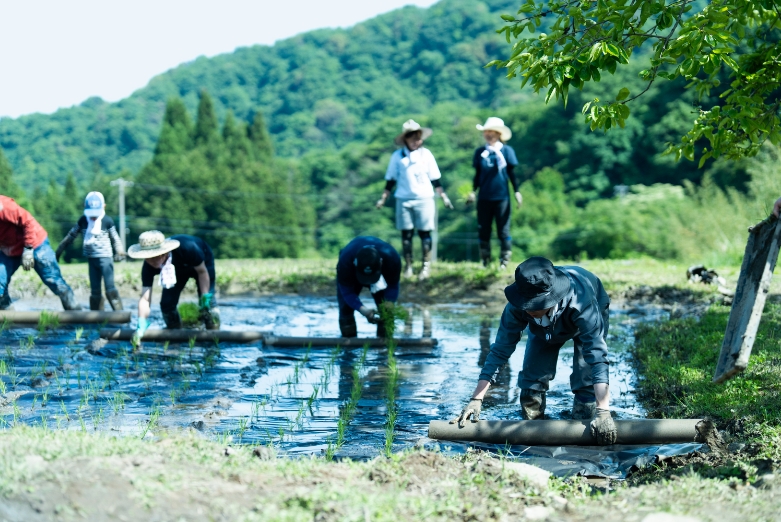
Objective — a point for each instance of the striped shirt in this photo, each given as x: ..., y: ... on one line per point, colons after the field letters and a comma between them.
x: 97, y: 245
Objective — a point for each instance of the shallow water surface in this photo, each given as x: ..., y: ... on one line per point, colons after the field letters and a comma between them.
x: 291, y: 398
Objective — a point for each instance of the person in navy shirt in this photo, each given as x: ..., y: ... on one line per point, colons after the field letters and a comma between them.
x: 366, y: 262
x: 494, y: 165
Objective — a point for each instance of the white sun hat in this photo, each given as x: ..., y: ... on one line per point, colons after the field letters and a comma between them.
x: 412, y: 126
x: 497, y: 124
x: 152, y: 244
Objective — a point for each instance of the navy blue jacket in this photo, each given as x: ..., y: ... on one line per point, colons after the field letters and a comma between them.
x: 348, y: 283
x: 582, y: 315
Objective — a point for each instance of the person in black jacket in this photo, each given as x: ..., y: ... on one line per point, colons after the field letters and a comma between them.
x: 494, y: 165
x: 100, y: 235
x: 366, y: 262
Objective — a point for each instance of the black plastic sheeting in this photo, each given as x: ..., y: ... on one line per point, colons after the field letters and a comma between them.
x: 614, y: 462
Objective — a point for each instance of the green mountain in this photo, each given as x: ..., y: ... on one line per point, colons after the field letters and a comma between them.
x: 322, y: 89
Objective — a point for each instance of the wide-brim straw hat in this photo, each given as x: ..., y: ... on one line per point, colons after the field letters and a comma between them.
x: 412, y: 126
x: 152, y: 244
x: 496, y: 124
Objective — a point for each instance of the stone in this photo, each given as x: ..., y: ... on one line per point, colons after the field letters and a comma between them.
x: 537, y: 513
x: 531, y: 475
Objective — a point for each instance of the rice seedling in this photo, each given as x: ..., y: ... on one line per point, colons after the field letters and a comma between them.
x: 35, y: 402
x: 152, y: 423
x: 64, y: 411
x: 78, y: 333
x: 97, y: 419
x: 348, y: 410
x: 17, y: 412
x: 2, y: 387
x: 5, y: 325
x: 117, y: 402
x: 190, y: 315
x: 45, y: 397
x: 14, y: 376
x: 172, y: 394
x: 243, y: 425
x: 82, y: 423
x: 390, y: 398
x: 9, y: 353
x: 44, y: 424
x: 3, y: 367
x: 48, y: 321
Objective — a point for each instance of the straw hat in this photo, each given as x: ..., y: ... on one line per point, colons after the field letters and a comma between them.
x: 412, y: 126
x: 152, y: 244
x: 496, y: 124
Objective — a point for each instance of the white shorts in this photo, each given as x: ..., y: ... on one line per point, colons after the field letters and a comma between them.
x: 415, y: 214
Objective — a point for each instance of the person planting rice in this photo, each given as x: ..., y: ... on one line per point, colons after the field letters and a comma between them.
x: 557, y: 304
x: 494, y: 165
x: 100, y: 235
x: 414, y: 173
x: 23, y: 241
x: 366, y: 262
x: 177, y: 260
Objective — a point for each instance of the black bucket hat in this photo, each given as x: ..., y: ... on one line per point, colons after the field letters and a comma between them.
x: 368, y: 264
x: 538, y: 285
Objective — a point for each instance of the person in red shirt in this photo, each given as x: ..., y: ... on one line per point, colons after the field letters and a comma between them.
x: 23, y: 241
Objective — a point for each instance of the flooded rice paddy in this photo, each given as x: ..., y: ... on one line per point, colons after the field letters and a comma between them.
x: 318, y: 401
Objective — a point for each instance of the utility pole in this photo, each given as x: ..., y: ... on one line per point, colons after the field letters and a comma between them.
x: 122, y: 183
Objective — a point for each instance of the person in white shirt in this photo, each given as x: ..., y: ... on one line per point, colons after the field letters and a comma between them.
x: 414, y: 173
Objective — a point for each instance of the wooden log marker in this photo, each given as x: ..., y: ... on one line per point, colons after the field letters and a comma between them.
x: 65, y: 316
x: 753, y: 285
x: 183, y: 336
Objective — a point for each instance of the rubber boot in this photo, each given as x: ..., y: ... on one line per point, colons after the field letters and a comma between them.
x: 348, y: 328
x: 5, y: 301
x: 425, y: 272
x: 583, y: 410
x: 485, y: 253
x: 96, y: 302
x: 69, y: 301
x: 114, y: 300
x: 406, y: 247
x: 211, y: 318
x: 173, y: 321
x: 506, y: 256
x: 532, y: 404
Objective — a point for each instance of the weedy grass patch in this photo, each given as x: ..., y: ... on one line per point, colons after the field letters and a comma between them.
x: 676, y: 361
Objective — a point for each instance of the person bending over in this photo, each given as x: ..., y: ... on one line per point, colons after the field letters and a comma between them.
x: 177, y: 260
x: 24, y: 242
x: 556, y: 304
x: 366, y: 262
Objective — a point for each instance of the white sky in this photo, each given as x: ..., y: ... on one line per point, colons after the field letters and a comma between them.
x: 57, y: 53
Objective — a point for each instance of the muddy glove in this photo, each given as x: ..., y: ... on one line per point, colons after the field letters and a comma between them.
x: 471, y: 198
x: 370, y: 314
x: 603, y: 428
x: 28, y: 259
x: 143, y: 324
x: 59, y: 251
x: 472, y: 410
x: 446, y: 201
x: 205, y: 302
x: 119, y: 256
x: 519, y: 198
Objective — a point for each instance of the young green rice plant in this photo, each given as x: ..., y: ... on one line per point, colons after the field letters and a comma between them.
x: 82, y: 423
x: 389, y: 314
x: 117, y: 402
x: 5, y: 324
x: 17, y: 413
x: 191, y: 345
x: 14, y: 376
x: 172, y: 394
x: 190, y: 315
x: 27, y: 344
x: 35, y: 402
x: 390, y: 399
x: 3, y: 367
x: 97, y: 419
x: 78, y: 333
x: 48, y: 321
x: 9, y: 353
x: 348, y: 410
x: 45, y: 397
x: 44, y: 424
x: 243, y: 425
x: 64, y: 411
x: 2, y: 387
x: 154, y: 418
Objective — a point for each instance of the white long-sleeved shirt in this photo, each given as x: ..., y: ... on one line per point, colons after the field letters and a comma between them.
x: 413, y: 172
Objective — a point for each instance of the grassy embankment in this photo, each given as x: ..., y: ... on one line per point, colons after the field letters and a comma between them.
x: 49, y: 474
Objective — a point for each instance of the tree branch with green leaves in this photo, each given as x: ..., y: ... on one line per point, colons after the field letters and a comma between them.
x: 702, y: 42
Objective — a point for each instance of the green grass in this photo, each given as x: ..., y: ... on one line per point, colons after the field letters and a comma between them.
x: 677, y: 360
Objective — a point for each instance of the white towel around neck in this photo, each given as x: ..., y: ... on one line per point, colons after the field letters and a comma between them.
x: 501, y: 162
x: 93, y: 228
x: 168, y: 273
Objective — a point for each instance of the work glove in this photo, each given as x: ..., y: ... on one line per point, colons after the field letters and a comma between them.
x: 446, y: 201
x: 380, y: 202
x: 472, y: 410
x: 28, y: 259
x: 205, y: 302
x: 143, y: 324
x: 119, y: 256
x: 603, y: 428
x: 58, y: 253
x: 471, y: 198
x: 519, y: 198
x: 370, y: 314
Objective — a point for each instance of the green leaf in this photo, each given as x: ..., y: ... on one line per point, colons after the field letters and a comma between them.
x: 623, y: 94
x: 508, y: 18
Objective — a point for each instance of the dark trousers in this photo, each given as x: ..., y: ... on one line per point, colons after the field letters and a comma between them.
x: 101, y: 269
x: 170, y: 297
x: 347, y: 325
x: 489, y: 211
x: 540, y: 361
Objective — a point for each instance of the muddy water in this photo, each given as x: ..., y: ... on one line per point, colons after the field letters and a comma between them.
x: 291, y: 398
